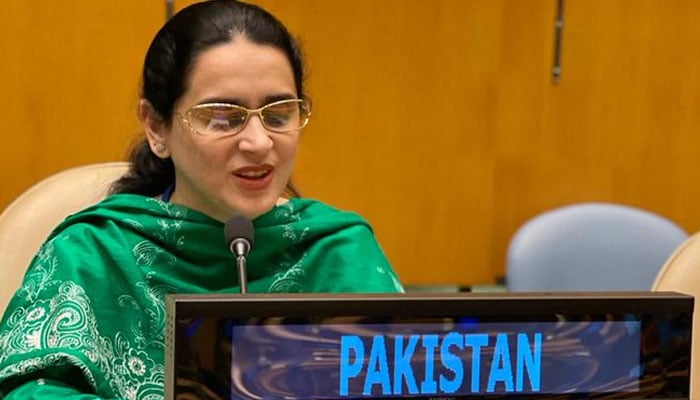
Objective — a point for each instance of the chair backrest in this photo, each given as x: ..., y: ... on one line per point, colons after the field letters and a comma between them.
x: 681, y: 273
x: 590, y: 247
x: 29, y: 219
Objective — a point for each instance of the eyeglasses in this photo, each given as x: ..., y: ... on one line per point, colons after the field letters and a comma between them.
x: 222, y: 119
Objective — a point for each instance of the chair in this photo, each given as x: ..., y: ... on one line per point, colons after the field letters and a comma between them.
x: 28, y: 220
x: 590, y: 247
x: 681, y: 273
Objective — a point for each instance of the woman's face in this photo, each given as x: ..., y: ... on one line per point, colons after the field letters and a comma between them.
x: 245, y: 173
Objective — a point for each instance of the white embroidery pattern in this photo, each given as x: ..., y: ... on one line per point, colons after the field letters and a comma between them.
x: 146, y: 252
x: 290, y: 280
x: 40, y: 278
x: 67, y: 320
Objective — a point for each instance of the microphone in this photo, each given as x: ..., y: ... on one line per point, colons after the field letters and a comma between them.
x: 238, y: 231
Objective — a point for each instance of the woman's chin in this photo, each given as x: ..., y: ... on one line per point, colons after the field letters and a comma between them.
x: 255, y: 208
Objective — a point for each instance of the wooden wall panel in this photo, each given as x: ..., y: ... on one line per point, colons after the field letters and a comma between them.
x: 620, y: 126
x: 438, y: 121
x: 69, y: 77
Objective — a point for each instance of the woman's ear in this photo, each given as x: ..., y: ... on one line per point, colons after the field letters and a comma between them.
x: 155, y: 129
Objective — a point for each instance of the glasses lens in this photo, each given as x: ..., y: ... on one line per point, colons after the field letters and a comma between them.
x: 217, y: 120
x: 285, y: 116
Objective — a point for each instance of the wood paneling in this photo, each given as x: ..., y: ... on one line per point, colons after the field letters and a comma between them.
x: 69, y: 77
x: 438, y: 121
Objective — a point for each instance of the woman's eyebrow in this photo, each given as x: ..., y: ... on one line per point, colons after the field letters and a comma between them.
x: 278, y: 97
x: 226, y: 100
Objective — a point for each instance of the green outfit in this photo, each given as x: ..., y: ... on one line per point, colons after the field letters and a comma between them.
x: 90, y: 317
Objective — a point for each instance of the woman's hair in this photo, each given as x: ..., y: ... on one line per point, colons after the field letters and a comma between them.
x: 169, y: 62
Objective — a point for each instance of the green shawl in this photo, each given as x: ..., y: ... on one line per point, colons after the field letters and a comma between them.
x: 89, y: 316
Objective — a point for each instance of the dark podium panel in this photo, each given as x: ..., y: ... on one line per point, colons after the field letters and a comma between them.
x: 601, y: 345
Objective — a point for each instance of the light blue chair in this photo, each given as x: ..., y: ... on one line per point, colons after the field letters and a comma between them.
x: 590, y: 247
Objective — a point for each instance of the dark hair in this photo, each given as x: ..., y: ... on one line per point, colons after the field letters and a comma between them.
x: 169, y: 62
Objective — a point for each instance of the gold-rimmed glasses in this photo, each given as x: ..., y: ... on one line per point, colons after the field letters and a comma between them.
x: 223, y: 119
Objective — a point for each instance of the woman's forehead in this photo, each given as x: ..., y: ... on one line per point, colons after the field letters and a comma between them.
x: 241, y: 69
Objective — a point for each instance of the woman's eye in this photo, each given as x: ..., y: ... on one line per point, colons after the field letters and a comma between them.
x: 218, y: 125
x: 277, y: 120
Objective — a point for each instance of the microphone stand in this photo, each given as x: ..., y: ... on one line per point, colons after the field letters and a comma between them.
x: 242, y: 278
x: 240, y: 247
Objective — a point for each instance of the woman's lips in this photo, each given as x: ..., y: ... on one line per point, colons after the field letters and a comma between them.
x: 254, y: 178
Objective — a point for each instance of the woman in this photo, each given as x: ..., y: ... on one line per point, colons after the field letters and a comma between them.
x: 222, y: 107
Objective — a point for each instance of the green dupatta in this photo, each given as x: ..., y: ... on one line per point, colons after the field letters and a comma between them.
x: 90, y: 317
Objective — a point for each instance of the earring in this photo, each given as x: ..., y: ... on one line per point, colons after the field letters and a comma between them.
x: 160, y: 147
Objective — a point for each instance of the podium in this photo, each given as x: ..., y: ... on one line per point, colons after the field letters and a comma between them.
x: 626, y: 345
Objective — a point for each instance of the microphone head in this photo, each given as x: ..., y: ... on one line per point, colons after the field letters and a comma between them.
x: 238, y: 227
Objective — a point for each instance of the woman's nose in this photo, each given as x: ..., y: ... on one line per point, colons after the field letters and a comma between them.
x: 255, y: 138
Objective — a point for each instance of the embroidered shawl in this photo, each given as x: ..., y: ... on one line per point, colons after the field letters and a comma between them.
x: 89, y: 316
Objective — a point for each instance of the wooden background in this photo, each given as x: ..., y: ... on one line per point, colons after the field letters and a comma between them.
x: 437, y: 120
